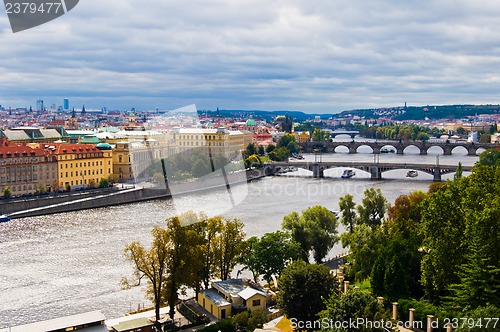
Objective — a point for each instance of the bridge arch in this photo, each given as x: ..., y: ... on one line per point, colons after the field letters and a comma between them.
x: 411, y: 149
x: 479, y: 151
x: 435, y: 150
x: 341, y: 149
x: 365, y: 148
x: 460, y: 150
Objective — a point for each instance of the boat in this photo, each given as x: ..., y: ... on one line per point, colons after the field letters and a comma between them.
x: 412, y: 174
x: 387, y: 150
x: 348, y: 173
x: 4, y: 218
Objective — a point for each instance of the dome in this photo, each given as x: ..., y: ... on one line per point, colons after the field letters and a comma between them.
x: 103, y: 146
x: 251, y: 123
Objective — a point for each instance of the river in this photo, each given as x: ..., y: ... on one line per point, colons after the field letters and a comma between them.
x: 63, y: 264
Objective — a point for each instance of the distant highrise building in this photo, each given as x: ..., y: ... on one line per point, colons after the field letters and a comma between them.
x: 66, y: 104
x: 39, y: 105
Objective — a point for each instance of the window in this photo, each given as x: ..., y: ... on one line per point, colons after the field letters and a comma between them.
x: 256, y: 303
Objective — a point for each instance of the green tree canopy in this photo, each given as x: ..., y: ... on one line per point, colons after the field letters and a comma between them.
x: 347, y: 209
x: 372, y: 208
x: 315, y: 230
x: 490, y: 157
x: 303, y: 288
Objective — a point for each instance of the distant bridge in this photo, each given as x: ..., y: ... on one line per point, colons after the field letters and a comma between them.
x: 352, y: 133
x: 399, y: 147
x: 375, y: 169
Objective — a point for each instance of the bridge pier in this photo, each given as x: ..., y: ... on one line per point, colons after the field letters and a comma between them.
x: 437, y: 174
x: 353, y: 149
x: 317, y: 171
x: 375, y: 172
x: 423, y: 151
x: 471, y: 151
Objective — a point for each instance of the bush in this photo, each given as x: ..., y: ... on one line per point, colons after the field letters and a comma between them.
x: 7, y: 193
x: 222, y: 326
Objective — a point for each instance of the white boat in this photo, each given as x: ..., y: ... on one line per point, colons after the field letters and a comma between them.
x: 4, y: 218
x: 412, y: 174
x: 348, y: 173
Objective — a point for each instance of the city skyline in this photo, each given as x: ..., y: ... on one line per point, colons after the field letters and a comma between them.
x: 317, y: 57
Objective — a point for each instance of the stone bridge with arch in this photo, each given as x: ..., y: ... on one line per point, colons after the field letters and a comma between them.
x: 399, y: 147
x: 375, y: 169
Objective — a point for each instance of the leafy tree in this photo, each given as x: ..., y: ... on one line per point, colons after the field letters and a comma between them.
x: 151, y: 264
x: 320, y: 135
x: 270, y: 148
x: 210, y: 229
x: 423, y: 136
x: 7, y: 193
x: 293, y: 147
x: 396, y: 272
x: 460, y: 131
x: 228, y: 246
x: 490, y: 157
x: 251, y: 149
x: 92, y: 184
x: 351, y: 306
x: 315, y: 230
x: 347, y: 208
x: 302, y: 290
x: 270, y: 254
x: 372, y: 208
x: 485, y: 138
x: 366, y: 244
x: 103, y: 183
x: 279, y: 154
x: 261, y: 150
x: 253, y: 161
x: 285, y: 140
x: 249, y: 320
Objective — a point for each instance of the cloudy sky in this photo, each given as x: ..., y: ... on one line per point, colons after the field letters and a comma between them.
x: 310, y: 55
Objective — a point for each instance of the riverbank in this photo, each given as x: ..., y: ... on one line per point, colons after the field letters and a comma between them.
x: 39, y: 207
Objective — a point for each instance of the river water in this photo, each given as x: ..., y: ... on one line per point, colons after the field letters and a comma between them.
x: 63, y: 264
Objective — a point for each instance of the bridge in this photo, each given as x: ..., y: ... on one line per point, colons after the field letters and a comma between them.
x: 375, y: 169
x: 399, y: 147
x: 351, y: 133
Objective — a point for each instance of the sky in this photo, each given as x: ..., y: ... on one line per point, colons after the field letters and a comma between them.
x: 320, y: 56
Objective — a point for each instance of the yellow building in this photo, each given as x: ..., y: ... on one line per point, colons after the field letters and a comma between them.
x: 81, y: 165
x: 231, y: 295
x: 302, y: 136
x: 229, y: 143
x: 132, y: 158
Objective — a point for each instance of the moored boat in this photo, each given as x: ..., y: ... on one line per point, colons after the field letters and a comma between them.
x: 348, y: 173
x: 412, y: 174
x: 4, y: 218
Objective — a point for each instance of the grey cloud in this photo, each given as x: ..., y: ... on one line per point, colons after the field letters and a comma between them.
x: 309, y: 55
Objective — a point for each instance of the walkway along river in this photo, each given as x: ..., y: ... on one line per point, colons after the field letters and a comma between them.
x: 73, y: 262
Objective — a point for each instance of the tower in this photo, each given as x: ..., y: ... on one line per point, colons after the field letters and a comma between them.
x: 66, y: 104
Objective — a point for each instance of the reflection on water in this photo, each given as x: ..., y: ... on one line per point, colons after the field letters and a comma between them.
x: 68, y: 263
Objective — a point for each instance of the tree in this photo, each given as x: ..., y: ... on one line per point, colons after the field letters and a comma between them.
x: 7, y: 193
x: 303, y: 288
x: 103, y: 183
x: 423, y: 136
x: 92, y: 184
x: 490, y: 157
x: 152, y: 264
x: 279, y: 154
x: 228, y: 246
x: 270, y: 148
x: 485, y: 138
x: 458, y: 173
x: 347, y: 208
x: 365, y: 246
x: 351, y: 306
x: 372, y: 208
x: 261, y: 150
x: 396, y: 272
x: 460, y: 131
x: 250, y: 150
x: 270, y: 254
x: 253, y: 161
x: 320, y: 135
x: 315, y: 230
x: 293, y: 147
x: 285, y: 140
x: 210, y: 229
